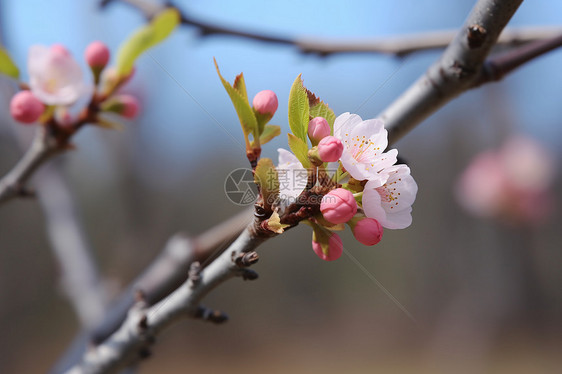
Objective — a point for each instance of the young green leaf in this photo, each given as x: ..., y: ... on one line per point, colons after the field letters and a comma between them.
x: 318, y: 108
x: 7, y: 66
x: 146, y: 37
x: 300, y: 149
x: 240, y: 85
x: 268, y: 181
x: 298, y: 109
x: 239, y: 99
x: 269, y: 132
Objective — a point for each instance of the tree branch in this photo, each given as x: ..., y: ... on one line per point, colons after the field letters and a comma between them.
x: 43, y: 148
x: 136, y: 334
x: 79, y: 276
x: 457, y: 70
x: 396, y: 45
x: 165, y: 274
x: 496, y: 67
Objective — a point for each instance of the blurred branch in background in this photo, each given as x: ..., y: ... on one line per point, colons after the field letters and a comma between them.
x: 394, y: 45
x: 79, y: 276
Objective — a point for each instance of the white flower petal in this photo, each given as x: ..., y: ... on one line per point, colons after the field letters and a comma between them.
x: 293, y: 177
x: 390, y: 203
x: 344, y: 123
x: 54, y: 77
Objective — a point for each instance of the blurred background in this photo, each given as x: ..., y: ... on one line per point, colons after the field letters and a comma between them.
x: 485, y: 293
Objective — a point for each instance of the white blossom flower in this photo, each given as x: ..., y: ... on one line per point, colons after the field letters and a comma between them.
x: 389, y: 199
x: 364, y: 144
x: 292, y: 177
x: 55, y: 77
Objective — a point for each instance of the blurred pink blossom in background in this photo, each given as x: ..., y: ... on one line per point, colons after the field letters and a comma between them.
x: 513, y: 183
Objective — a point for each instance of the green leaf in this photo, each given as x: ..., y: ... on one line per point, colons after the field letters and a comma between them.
x: 268, y: 181
x: 7, y: 66
x: 300, y: 149
x: 109, y: 124
x: 239, y: 99
x: 240, y: 85
x: 146, y: 37
x: 299, y: 109
x: 318, y: 108
x: 269, y: 132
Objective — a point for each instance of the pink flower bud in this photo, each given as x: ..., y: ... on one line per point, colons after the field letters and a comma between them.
x: 124, y: 105
x: 338, y: 206
x: 330, y: 149
x: 318, y: 128
x: 97, y: 54
x: 25, y: 107
x: 335, y: 248
x: 265, y: 102
x: 367, y: 231
x: 130, y: 106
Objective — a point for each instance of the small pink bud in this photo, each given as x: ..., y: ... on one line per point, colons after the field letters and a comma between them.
x: 367, y: 231
x: 335, y: 248
x: 338, y: 206
x: 97, y: 54
x: 318, y: 128
x: 130, y: 106
x: 25, y: 107
x: 265, y: 102
x: 124, y: 105
x: 330, y: 149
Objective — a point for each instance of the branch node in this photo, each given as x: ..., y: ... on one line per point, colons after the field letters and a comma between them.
x: 476, y: 36
x: 140, y: 299
x: 214, y: 316
x: 248, y: 274
x: 246, y: 259
x: 194, y: 273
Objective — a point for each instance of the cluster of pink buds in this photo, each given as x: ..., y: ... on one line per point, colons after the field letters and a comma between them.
x: 372, y: 192
x: 56, y: 81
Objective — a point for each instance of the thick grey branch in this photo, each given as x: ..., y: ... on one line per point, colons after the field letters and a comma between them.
x: 134, y: 336
x: 456, y: 71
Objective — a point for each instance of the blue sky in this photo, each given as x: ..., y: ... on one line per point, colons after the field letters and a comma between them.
x: 177, y: 123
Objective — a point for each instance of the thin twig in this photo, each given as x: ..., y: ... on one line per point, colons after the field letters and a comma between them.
x: 393, y: 45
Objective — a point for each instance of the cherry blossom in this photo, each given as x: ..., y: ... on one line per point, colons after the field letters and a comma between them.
x: 364, y: 144
x: 55, y: 77
x: 513, y: 183
x: 389, y: 200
